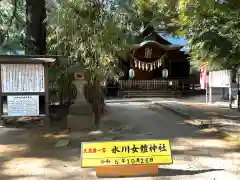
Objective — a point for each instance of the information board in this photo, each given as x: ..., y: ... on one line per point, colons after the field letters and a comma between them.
x: 116, y: 153
x: 220, y: 78
x: 23, y: 105
x: 22, y: 78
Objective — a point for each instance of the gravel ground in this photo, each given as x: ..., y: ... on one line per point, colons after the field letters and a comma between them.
x: 197, y: 155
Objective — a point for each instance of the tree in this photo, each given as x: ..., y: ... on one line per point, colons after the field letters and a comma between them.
x: 91, y: 38
x: 212, y: 30
x: 36, y: 27
x: 99, y: 32
x: 12, y: 25
x: 141, y: 13
x: 93, y: 32
x: 23, y: 25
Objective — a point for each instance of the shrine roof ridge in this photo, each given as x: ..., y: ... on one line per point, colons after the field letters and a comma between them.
x: 165, y: 47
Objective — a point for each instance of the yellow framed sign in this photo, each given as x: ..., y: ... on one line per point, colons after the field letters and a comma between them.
x: 114, y: 153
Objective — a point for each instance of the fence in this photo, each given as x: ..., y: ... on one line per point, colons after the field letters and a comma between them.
x: 148, y: 84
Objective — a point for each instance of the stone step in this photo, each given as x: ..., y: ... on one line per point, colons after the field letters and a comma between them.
x: 163, y: 91
x: 149, y: 91
x: 154, y: 93
x: 150, y: 96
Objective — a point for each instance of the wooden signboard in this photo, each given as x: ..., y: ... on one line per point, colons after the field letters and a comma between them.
x: 17, y: 78
x: 24, y: 85
x: 126, y: 158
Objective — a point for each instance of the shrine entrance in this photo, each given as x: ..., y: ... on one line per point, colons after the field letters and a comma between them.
x: 157, y: 64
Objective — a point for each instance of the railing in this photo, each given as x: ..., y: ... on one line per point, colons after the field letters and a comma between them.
x: 148, y: 84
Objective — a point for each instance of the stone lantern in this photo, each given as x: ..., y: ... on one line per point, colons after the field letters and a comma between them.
x: 81, y: 115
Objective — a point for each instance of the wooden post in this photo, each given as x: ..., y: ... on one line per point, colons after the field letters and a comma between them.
x: 230, y: 96
x: 206, y: 93
x: 170, y: 68
x: 47, y: 121
x: 210, y: 94
x: 208, y: 83
x: 230, y: 91
x: 2, y: 122
x: 238, y: 93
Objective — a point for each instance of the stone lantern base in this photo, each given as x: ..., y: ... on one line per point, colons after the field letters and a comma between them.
x: 81, y: 115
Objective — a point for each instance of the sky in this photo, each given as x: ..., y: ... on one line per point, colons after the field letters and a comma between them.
x: 176, y: 40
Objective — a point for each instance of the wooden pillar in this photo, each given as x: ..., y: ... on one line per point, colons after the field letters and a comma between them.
x: 170, y: 69
x: 230, y: 96
x: 210, y: 94
x: 238, y: 93
x: 47, y: 120
x: 2, y: 122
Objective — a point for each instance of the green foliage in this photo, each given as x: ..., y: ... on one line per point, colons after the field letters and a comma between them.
x: 12, y: 23
x: 88, y: 32
x: 93, y: 31
x: 141, y: 13
x: 212, y: 30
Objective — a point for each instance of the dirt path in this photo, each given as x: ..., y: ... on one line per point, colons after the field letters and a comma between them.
x: 197, y: 155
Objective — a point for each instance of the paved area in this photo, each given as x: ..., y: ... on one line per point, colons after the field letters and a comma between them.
x: 28, y: 155
x: 216, y: 99
x: 218, y: 116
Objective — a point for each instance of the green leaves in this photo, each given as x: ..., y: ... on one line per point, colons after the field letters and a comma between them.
x: 87, y: 32
x: 12, y: 25
x: 213, y: 32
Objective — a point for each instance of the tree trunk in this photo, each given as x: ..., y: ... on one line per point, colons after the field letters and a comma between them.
x: 35, y: 43
x: 35, y: 27
x: 96, y: 103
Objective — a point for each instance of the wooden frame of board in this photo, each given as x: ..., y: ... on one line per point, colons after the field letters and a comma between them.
x: 45, y: 61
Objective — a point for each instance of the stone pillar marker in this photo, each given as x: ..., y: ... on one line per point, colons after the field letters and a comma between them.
x: 81, y: 115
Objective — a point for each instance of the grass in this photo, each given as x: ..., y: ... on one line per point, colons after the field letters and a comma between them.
x: 227, y: 136
x: 222, y: 134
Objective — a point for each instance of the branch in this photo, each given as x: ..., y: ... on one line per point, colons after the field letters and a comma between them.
x: 12, y: 18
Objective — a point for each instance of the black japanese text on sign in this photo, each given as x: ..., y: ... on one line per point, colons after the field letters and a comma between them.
x: 125, y: 153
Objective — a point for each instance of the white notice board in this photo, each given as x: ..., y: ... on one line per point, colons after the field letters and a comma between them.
x: 23, y: 105
x: 22, y: 78
x: 220, y: 78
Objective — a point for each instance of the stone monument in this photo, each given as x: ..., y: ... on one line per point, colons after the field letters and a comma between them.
x: 81, y: 115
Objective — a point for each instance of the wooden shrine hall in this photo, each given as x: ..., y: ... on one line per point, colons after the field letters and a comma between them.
x: 155, y: 63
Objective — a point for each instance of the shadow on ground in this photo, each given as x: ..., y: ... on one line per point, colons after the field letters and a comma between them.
x: 168, y: 172
x: 30, y: 153
x: 180, y: 172
x: 27, y: 150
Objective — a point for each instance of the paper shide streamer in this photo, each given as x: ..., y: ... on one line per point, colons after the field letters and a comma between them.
x: 150, y: 66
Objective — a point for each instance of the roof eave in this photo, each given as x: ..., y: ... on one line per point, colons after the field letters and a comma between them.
x: 165, y: 47
x: 27, y: 59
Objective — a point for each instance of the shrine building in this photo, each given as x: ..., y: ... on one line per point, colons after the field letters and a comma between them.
x: 155, y: 64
